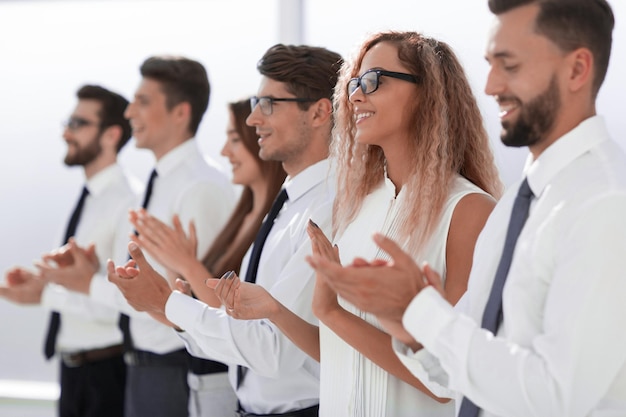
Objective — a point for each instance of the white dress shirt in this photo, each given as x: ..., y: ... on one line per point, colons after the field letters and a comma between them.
x: 86, y: 324
x: 186, y: 185
x: 281, y: 377
x: 351, y: 384
x: 561, y: 349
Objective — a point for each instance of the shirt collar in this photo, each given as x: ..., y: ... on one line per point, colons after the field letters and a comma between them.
x: 563, y: 151
x: 305, y: 180
x: 102, y: 179
x: 176, y: 156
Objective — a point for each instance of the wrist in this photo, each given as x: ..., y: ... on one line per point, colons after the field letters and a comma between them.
x: 277, y: 311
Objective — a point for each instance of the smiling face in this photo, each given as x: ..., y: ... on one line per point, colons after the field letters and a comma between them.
x: 153, y: 124
x: 525, y: 78
x: 83, y: 137
x: 284, y: 135
x: 245, y: 167
x: 383, y: 117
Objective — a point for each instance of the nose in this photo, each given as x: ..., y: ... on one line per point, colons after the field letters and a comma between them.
x: 225, y: 149
x: 495, y: 82
x: 254, y: 118
x: 67, y: 134
x: 356, y: 96
x: 128, y: 113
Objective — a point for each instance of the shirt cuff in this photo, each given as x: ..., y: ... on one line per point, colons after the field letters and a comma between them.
x: 103, y: 291
x: 52, y: 297
x: 427, y: 315
x: 182, y: 310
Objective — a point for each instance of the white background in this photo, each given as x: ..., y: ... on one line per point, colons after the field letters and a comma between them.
x: 50, y: 48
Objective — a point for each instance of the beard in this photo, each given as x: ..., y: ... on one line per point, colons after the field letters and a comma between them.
x: 83, y: 156
x: 536, y: 118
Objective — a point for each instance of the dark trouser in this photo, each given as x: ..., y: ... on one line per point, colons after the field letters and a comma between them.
x: 94, y: 389
x: 157, y: 385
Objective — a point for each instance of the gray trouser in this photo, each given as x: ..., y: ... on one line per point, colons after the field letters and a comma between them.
x: 211, y: 395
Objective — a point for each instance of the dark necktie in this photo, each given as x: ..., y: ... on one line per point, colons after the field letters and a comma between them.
x: 261, y: 237
x: 124, y: 321
x: 55, y: 318
x: 255, y: 256
x: 492, y: 316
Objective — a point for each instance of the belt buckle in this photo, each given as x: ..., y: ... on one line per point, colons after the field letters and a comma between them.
x: 130, y: 358
x: 72, y: 360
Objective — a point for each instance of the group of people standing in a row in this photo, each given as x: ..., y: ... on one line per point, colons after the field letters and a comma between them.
x: 464, y: 302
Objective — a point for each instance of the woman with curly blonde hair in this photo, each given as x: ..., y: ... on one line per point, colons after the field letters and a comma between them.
x: 414, y: 163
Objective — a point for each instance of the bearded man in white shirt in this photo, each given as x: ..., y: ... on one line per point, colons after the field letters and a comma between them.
x: 293, y: 118
x: 557, y: 348
x: 85, y: 335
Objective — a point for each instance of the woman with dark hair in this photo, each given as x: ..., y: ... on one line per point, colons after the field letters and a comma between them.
x: 261, y: 181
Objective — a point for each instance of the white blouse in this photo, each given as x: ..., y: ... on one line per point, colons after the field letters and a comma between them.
x: 351, y: 384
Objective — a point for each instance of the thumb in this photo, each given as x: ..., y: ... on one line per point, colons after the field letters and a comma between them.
x: 212, y: 282
x: 138, y: 257
x: 91, y: 249
x: 183, y: 286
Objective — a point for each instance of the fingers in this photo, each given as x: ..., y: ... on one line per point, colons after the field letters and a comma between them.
x: 212, y: 282
x: 360, y: 262
x: 432, y: 277
x: 138, y: 256
x: 225, y: 290
x: 149, y: 227
x: 320, y: 244
x: 178, y: 226
x: 193, y: 236
x: 183, y: 286
x: 323, y: 265
x: 110, y: 267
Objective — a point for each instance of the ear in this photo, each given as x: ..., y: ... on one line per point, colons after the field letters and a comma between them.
x: 182, y: 112
x: 580, y: 68
x: 321, y: 111
x: 111, y: 136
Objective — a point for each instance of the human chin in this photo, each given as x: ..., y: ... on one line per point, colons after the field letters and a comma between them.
x: 536, y: 119
x: 83, y: 156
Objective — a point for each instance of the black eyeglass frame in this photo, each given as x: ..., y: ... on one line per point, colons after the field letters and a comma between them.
x: 356, y: 82
x: 76, y: 123
x: 254, y: 101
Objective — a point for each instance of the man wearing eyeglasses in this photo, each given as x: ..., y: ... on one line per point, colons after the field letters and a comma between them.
x: 165, y: 115
x: 84, y: 334
x: 293, y: 119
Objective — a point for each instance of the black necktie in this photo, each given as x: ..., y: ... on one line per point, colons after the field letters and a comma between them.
x: 261, y: 237
x: 124, y: 321
x: 492, y: 316
x: 257, y: 248
x: 55, y: 318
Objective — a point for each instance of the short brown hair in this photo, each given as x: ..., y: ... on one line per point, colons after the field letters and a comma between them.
x: 572, y: 24
x: 308, y: 71
x: 182, y: 80
x: 112, y: 107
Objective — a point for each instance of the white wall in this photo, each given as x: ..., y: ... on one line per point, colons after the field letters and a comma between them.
x: 49, y: 48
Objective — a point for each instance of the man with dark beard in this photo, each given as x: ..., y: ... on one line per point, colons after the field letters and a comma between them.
x: 540, y: 329
x: 85, y: 335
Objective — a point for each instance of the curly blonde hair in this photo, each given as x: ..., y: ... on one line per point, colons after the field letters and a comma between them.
x: 450, y: 139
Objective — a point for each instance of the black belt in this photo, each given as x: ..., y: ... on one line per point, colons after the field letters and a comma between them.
x: 305, y: 412
x: 199, y: 366
x: 144, y: 358
x: 83, y: 357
